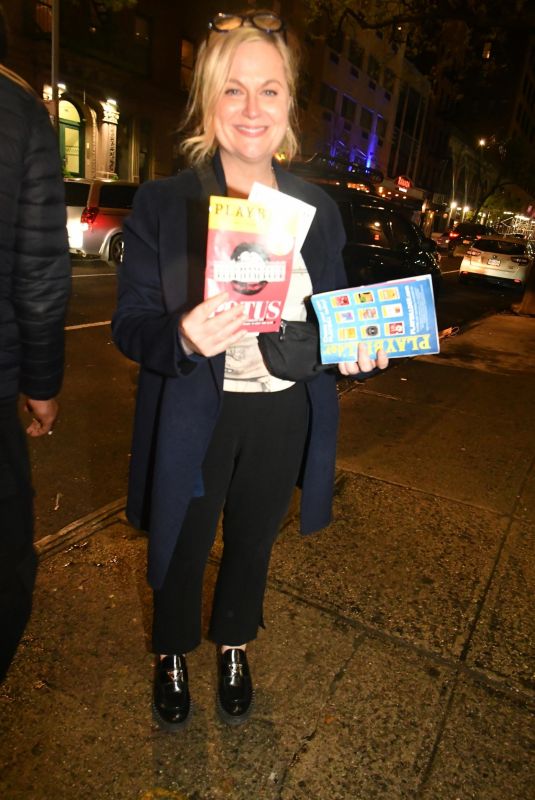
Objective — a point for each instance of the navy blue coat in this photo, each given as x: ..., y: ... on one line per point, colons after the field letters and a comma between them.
x: 179, y: 399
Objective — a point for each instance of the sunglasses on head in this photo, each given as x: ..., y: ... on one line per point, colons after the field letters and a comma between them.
x: 266, y: 21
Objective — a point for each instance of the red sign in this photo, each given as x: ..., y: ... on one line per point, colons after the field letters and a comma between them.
x: 403, y: 182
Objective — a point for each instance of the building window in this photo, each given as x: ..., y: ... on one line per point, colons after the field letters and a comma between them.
x: 334, y: 58
x: 381, y: 127
x: 327, y: 97
x: 43, y: 16
x: 366, y: 119
x: 141, y: 49
x: 142, y: 30
x: 336, y: 42
x: 355, y: 53
x: 349, y: 108
x: 354, y: 72
x: 374, y: 68
x: 388, y: 80
x: 187, y: 57
x: 305, y: 90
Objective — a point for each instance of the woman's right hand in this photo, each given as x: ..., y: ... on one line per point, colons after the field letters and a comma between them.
x: 207, y: 333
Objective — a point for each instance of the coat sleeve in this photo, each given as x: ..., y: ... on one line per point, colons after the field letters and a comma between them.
x: 143, y: 328
x: 42, y: 272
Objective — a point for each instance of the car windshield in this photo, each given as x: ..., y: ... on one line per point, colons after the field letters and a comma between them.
x: 500, y: 246
x: 76, y: 193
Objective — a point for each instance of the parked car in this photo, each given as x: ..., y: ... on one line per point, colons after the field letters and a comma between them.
x: 505, y: 260
x: 462, y: 236
x: 96, y: 210
x: 382, y: 244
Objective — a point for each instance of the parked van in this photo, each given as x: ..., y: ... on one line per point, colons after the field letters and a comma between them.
x: 96, y: 210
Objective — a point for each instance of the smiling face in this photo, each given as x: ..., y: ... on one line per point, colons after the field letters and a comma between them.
x: 251, y: 116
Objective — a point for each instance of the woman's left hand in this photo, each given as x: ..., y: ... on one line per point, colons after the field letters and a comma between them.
x: 364, y: 363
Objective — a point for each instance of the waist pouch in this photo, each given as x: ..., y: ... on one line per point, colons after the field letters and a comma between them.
x: 293, y: 352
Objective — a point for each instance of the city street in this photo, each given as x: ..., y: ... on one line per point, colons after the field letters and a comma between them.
x: 394, y: 657
x: 83, y: 467
x: 398, y: 659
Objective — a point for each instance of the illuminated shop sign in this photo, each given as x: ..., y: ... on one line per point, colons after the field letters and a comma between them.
x: 403, y: 182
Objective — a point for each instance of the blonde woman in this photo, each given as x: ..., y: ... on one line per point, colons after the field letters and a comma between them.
x: 211, y: 437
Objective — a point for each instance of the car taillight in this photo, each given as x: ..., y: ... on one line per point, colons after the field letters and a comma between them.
x: 472, y: 252
x: 520, y: 260
x: 454, y: 235
x: 89, y: 215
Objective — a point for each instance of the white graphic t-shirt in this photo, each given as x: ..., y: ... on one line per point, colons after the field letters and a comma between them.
x: 245, y: 370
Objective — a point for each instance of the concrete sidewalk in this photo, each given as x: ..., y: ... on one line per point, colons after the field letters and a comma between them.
x: 399, y: 658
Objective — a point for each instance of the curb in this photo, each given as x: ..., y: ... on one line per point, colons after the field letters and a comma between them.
x: 97, y: 520
x: 79, y: 529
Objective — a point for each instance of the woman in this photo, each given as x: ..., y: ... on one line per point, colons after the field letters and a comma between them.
x: 213, y: 430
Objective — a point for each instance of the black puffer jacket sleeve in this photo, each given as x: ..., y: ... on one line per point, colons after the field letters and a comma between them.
x: 34, y: 258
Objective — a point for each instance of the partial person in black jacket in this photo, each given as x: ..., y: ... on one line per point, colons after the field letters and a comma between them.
x: 214, y: 430
x: 34, y: 288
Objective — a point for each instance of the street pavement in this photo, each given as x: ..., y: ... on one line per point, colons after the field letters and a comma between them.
x: 398, y: 659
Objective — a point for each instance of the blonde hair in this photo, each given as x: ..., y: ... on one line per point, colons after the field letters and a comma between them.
x: 211, y: 72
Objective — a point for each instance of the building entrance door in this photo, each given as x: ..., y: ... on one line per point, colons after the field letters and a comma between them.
x: 71, y: 139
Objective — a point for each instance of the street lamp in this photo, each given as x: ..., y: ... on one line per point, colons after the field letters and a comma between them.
x: 453, y: 207
x: 54, y: 68
x: 481, y: 144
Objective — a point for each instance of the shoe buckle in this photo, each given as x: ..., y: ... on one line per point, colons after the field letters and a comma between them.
x: 236, y: 673
x: 176, y: 676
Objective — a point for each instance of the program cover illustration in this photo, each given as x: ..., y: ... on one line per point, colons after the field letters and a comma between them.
x: 249, y: 254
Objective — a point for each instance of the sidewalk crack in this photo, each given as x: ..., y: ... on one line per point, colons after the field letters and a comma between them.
x: 306, y: 739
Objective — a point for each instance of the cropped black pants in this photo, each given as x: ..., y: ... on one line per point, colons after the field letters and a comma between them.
x: 18, y: 562
x: 249, y: 473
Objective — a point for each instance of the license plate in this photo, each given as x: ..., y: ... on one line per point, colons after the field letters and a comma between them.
x: 493, y: 262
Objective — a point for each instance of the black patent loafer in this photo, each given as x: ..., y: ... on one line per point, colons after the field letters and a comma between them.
x: 235, y: 688
x: 171, y: 700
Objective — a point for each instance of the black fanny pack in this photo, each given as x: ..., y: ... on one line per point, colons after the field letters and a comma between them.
x: 293, y: 352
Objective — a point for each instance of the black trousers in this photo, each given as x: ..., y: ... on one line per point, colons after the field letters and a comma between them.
x: 249, y: 473
x: 18, y: 561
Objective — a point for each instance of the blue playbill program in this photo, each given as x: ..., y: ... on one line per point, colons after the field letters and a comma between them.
x: 396, y: 316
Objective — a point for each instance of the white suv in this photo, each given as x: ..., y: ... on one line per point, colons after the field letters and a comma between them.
x: 95, y: 213
x: 505, y: 260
